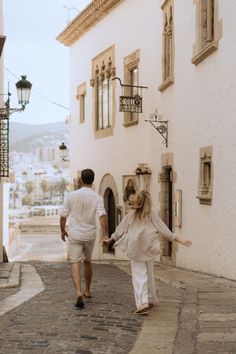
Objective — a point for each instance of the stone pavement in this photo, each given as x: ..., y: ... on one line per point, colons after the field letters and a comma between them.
x: 196, y: 312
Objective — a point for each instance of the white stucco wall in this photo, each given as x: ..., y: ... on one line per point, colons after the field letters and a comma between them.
x: 199, y: 108
x: 202, y: 104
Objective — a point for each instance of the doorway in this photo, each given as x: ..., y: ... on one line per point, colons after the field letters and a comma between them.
x: 110, y: 206
x: 167, y: 205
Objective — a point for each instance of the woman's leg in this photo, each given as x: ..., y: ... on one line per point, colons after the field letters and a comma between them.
x: 140, y: 283
x: 152, y: 293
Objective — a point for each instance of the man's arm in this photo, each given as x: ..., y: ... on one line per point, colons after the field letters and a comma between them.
x: 64, y: 234
x: 104, y: 226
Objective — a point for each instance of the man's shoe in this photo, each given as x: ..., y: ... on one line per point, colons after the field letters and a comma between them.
x: 79, y: 302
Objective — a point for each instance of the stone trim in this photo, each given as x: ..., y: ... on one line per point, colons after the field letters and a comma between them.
x: 167, y: 160
x: 131, y: 62
x: 103, y: 64
x: 166, y: 84
x: 167, y: 45
x: 206, y: 43
x: 81, y: 93
x: 87, y: 19
x: 81, y: 90
x: 205, y: 181
x: 108, y: 181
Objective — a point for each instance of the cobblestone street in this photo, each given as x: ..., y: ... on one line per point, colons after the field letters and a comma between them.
x: 196, y: 312
x: 49, y: 323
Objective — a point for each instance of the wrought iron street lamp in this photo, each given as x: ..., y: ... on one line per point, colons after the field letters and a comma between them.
x: 23, y: 87
x: 63, y: 152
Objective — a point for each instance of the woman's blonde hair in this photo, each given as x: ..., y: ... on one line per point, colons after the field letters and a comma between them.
x: 142, y: 204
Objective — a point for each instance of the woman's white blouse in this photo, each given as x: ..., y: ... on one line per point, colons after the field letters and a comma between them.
x: 139, y: 238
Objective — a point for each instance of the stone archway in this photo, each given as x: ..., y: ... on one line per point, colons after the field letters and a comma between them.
x: 109, y: 192
x: 109, y: 182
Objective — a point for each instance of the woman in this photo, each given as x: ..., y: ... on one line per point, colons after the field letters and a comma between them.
x: 137, y: 234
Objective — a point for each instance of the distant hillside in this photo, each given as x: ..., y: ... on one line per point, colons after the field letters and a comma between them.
x: 27, y: 137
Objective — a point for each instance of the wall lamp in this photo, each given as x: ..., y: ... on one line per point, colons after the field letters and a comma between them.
x: 63, y: 152
x: 23, y: 87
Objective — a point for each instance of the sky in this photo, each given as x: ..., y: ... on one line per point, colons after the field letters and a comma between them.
x: 31, y: 49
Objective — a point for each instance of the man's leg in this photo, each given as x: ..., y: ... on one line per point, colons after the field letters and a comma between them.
x: 88, y: 272
x: 75, y: 273
x: 75, y: 254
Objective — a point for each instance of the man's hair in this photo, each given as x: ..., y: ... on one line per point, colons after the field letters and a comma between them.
x: 87, y: 176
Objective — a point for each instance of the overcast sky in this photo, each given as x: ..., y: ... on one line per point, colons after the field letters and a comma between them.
x: 31, y: 49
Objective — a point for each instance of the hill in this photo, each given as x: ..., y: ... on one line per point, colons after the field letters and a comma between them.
x: 26, y: 137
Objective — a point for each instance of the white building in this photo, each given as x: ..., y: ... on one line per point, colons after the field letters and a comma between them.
x: 47, y: 154
x: 183, y: 52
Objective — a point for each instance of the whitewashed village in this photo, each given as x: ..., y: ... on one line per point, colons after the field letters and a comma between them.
x: 152, y: 97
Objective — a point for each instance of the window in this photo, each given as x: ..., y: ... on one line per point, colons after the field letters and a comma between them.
x: 103, y: 98
x: 205, y: 176
x: 167, y: 46
x: 81, y: 93
x: 208, y: 30
x: 131, y: 73
x: 103, y: 72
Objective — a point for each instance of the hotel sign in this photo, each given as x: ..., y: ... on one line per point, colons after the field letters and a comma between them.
x: 131, y: 104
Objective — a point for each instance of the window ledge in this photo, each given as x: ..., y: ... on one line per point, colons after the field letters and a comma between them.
x: 128, y: 124
x: 103, y: 133
x: 205, y: 199
x: 205, y: 52
x: 168, y: 82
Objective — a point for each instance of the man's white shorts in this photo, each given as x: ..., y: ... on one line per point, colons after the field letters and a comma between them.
x: 77, y: 251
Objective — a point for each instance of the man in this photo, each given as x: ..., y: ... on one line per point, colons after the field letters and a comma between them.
x: 82, y: 206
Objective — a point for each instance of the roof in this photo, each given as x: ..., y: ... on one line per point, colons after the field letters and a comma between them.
x: 88, y: 18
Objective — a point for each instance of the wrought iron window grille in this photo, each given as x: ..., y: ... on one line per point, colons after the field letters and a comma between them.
x: 156, y: 120
x: 130, y: 104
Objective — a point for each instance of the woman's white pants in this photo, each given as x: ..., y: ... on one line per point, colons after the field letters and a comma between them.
x: 143, y: 282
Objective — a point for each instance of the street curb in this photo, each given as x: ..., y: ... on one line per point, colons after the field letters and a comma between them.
x: 14, y: 277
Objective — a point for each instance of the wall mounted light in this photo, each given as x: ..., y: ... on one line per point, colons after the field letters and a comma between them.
x: 63, y: 152
x: 23, y: 87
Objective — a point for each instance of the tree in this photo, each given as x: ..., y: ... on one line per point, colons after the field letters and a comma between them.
x: 44, y: 186
x: 29, y: 187
x: 60, y: 187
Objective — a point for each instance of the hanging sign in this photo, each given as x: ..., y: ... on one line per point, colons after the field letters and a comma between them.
x: 131, y: 104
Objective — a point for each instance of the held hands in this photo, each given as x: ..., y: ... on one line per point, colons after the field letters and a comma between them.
x: 106, y: 241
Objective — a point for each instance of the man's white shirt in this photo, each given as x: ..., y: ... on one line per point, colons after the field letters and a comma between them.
x: 82, y: 206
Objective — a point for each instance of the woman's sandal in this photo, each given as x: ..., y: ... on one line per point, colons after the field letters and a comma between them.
x: 142, y: 311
